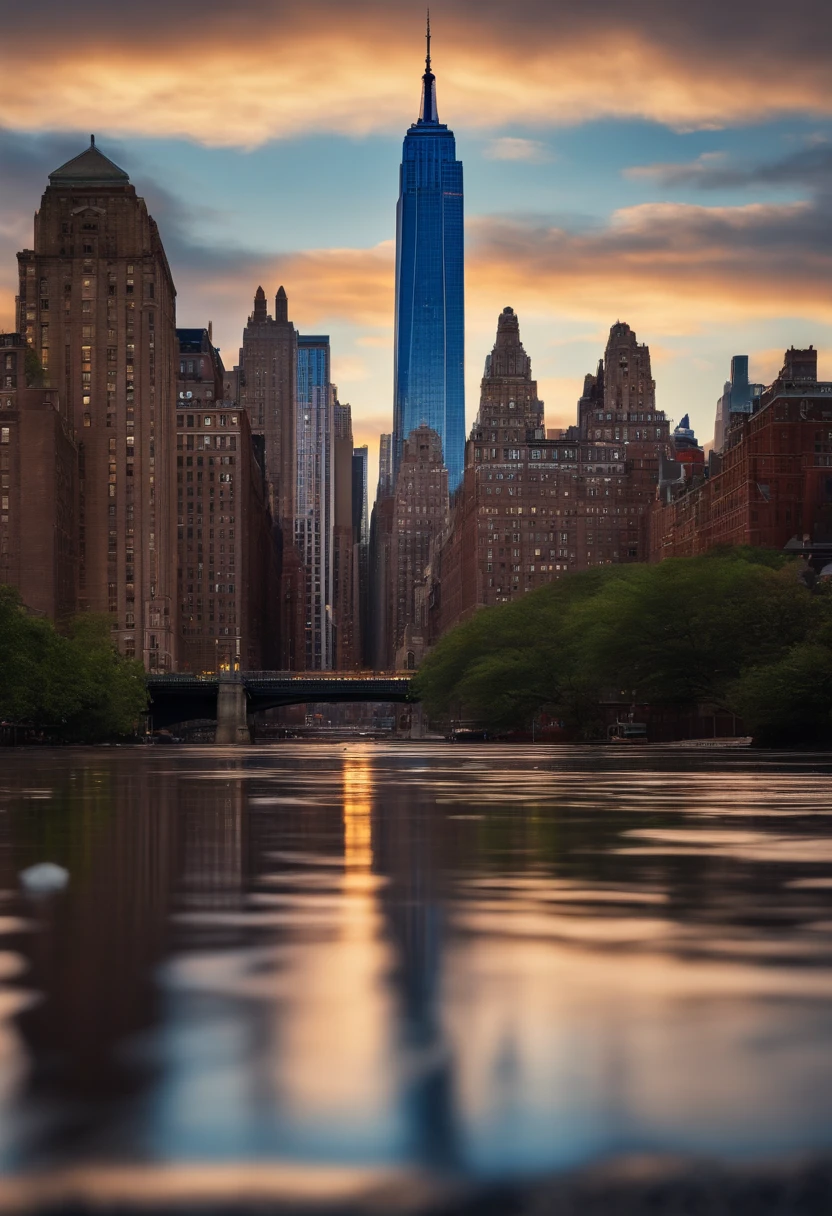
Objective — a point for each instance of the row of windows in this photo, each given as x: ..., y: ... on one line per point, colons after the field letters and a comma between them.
x: 191, y: 420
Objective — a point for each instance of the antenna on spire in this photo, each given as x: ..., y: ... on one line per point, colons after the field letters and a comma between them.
x: 92, y: 141
x: 427, y: 112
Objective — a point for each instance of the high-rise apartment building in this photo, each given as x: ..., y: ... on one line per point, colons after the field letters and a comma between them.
x: 534, y: 507
x: 38, y: 487
x: 420, y: 515
x: 429, y: 350
x: 267, y: 387
x: 96, y: 304
x: 360, y: 510
x: 361, y: 538
x: 379, y: 563
x: 380, y: 584
x: 228, y: 574
x: 345, y: 620
x: 314, y: 512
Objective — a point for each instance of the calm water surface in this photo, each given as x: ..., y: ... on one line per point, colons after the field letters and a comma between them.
x: 494, y: 960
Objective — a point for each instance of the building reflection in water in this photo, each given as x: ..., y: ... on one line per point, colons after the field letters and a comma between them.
x: 411, y: 854
x: 412, y: 956
x: 94, y: 949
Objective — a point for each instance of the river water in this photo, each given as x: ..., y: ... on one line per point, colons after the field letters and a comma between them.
x: 486, y: 960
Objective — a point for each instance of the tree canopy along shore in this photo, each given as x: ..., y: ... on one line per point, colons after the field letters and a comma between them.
x: 747, y: 631
x: 73, y: 685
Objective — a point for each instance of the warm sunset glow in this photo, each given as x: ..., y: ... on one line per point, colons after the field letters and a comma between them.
x: 308, y: 72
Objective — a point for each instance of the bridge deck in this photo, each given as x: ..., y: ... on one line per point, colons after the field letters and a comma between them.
x: 183, y: 697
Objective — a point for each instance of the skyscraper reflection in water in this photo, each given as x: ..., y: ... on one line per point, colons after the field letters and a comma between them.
x: 430, y: 296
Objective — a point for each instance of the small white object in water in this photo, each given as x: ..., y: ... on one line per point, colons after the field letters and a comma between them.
x: 44, y: 878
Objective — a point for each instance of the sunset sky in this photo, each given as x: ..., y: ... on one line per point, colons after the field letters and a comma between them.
x: 666, y: 164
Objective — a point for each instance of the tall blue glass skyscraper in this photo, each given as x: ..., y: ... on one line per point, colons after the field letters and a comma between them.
x: 430, y: 289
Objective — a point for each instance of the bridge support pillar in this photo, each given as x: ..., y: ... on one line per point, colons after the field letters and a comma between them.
x: 417, y: 721
x: 232, y: 726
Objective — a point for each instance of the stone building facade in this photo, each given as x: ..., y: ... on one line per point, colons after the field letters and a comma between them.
x: 38, y: 489
x: 96, y: 304
x: 771, y: 485
x: 533, y: 507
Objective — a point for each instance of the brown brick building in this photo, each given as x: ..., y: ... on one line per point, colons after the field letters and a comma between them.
x: 379, y: 597
x: 201, y: 370
x: 530, y: 507
x: 38, y: 489
x: 228, y: 573
x: 97, y: 305
x: 771, y: 485
x: 420, y: 514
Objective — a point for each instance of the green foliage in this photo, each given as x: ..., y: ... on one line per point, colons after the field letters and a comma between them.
x: 683, y: 630
x: 79, y: 683
x: 688, y: 631
x: 789, y: 702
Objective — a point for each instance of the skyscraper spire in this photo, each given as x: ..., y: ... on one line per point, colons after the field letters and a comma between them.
x: 428, y: 111
x: 429, y: 373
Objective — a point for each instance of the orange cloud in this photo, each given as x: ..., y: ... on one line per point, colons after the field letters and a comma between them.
x: 239, y: 79
x: 677, y: 267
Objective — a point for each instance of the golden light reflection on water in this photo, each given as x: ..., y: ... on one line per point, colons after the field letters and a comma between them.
x: 358, y: 808
x: 336, y: 1064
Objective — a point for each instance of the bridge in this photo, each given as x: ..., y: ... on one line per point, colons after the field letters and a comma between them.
x: 231, y: 698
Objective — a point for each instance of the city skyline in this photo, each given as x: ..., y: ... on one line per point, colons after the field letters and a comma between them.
x: 651, y: 189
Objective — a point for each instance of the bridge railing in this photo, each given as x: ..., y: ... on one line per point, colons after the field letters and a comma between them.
x: 317, y: 676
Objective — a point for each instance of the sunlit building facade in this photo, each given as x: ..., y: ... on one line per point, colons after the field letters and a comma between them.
x: 429, y: 374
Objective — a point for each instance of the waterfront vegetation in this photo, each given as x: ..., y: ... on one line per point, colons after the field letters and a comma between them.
x: 72, y: 686
x: 741, y: 630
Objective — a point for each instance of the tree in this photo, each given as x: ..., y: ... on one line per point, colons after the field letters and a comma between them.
x: 789, y: 702
x: 684, y: 632
x: 507, y: 663
x: 111, y: 692
x: 79, y: 684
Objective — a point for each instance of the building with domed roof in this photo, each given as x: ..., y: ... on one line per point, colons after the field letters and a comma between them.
x: 96, y: 305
